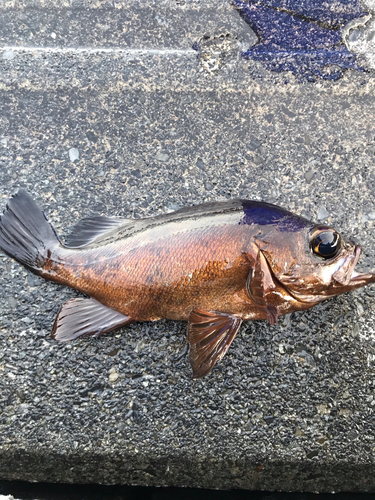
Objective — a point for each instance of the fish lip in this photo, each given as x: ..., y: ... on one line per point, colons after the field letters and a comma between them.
x: 361, y: 276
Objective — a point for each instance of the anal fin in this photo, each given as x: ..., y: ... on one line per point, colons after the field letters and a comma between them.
x: 210, y: 335
x: 82, y: 316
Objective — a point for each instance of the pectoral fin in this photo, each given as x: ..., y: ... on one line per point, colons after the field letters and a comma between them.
x: 85, y: 317
x: 210, y: 335
x: 259, y: 280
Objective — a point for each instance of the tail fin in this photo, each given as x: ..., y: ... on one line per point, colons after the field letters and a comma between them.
x: 25, y: 234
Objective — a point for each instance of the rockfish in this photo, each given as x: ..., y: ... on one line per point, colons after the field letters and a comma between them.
x: 213, y: 265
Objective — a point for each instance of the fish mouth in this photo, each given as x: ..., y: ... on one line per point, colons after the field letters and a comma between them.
x: 347, y: 275
x: 343, y: 279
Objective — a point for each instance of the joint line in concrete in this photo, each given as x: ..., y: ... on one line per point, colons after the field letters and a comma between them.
x: 98, y: 50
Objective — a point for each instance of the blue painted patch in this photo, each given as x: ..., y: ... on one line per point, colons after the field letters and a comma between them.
x: 301, y: 36
x: 265, y: 214
x: 331, y: 14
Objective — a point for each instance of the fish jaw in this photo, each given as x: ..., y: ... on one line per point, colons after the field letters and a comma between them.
x: 339, y: 278
x: 347, y: 277
x: 345, y: 271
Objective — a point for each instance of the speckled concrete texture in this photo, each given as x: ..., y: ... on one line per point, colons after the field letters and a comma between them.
x: 139, y: 24
x: 136, y: 133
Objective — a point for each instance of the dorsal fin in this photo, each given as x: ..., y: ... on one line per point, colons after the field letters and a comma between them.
x: 91, y: 228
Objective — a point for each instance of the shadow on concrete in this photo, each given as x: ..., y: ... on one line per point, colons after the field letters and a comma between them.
x: 22, y: 490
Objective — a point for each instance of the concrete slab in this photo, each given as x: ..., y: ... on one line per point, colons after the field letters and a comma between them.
x: 135, y: 132
x: 134, y: 24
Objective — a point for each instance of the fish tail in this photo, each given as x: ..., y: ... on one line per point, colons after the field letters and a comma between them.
x: 25, y: 233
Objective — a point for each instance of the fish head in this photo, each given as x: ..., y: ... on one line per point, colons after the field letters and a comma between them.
x: 313, y: 262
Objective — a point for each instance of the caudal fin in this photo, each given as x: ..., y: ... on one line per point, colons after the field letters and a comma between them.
x: 25, y: 233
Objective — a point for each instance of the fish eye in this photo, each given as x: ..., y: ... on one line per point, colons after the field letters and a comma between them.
x: 326, y: 243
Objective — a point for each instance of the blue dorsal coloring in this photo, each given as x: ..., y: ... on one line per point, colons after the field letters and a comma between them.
x: 303, y: 37
x: 265, y: 214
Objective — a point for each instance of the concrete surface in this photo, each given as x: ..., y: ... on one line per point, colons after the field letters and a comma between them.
x: 134, y: 129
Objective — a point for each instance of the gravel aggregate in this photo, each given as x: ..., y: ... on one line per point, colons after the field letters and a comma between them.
x: 290, y: 407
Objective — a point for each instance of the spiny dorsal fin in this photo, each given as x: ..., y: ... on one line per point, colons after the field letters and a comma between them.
x: 90, y: 228
x: 210, y: 335
x: 82, y: 316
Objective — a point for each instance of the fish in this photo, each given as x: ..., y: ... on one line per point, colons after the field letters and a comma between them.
x: 213, y: 265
